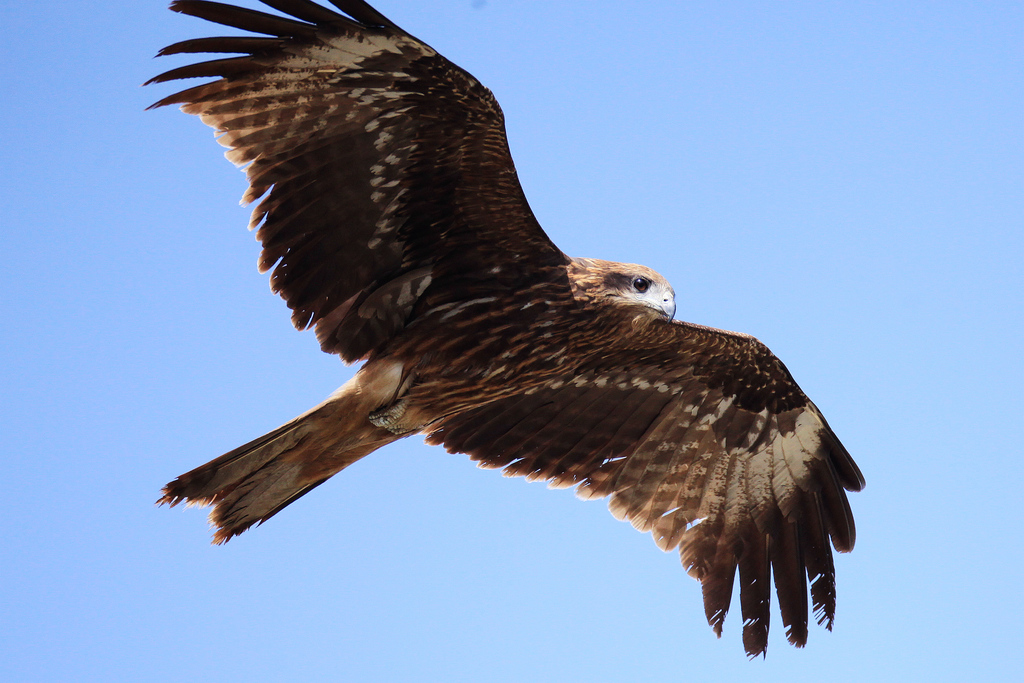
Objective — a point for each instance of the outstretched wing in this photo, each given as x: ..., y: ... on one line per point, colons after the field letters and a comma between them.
x: 383, y: 167
x: 703, y: 438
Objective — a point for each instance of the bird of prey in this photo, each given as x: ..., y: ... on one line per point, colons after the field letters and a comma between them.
x: 393, y: 220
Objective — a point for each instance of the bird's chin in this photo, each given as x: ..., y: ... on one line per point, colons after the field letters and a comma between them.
x: 648, y: 316
x: 660, y: 313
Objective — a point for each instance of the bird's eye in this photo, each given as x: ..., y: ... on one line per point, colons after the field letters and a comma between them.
x: 641, y: 284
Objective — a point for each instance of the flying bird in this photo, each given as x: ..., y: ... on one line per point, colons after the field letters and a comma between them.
x: 390, y: 213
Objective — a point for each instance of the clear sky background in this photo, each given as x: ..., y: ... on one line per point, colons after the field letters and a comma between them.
x: 843, y: 180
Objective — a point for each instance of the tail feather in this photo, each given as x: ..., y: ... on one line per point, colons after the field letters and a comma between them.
x: 258, y: 497
x: 252, y: 483
x: 209, y: 483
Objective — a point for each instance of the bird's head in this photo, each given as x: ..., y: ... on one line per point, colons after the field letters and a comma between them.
x: 624, y: 283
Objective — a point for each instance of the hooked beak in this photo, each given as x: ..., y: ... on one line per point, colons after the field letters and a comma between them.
x: 668, y: 307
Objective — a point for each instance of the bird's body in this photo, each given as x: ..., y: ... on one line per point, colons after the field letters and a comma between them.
x: 395, y: 225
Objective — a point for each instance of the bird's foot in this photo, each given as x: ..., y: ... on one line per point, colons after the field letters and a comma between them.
x: 390, y: 417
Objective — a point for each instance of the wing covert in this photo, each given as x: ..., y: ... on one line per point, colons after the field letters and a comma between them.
x: 702, y: 438
x: 383, y: 168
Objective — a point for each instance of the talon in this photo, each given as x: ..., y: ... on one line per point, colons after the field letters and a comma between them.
x: 388, y: 417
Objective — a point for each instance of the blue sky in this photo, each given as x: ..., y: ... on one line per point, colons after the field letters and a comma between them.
x: 843, y: 180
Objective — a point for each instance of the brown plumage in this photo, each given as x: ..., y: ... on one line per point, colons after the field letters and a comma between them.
x: 390, y: 212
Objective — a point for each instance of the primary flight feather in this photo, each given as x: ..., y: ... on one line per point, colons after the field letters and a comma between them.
x: 391, y: 215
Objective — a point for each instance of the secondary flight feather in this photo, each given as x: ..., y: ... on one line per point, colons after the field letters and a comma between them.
x: 391, y: 215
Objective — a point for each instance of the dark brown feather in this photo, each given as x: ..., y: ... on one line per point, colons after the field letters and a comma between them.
x: 788, y: 568
x: 232, y: 66
x: 373, y: 160
x: 718, y: 475
x: 238, y: 44
x: 363, y: 12
x: 243, y: 18
x: 755, y: 592
x: 306, y: 11
x: 820, y: 567
x: 392, y: 221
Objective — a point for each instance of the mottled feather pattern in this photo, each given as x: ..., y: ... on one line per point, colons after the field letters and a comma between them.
x: 729, y: 487
x: 392, y: 220
x: 346, y: 125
